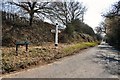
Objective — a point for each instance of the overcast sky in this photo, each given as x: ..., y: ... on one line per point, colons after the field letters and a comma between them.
x: 95, y: 9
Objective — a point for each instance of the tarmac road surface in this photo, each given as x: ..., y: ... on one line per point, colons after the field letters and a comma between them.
x: 81, y: 65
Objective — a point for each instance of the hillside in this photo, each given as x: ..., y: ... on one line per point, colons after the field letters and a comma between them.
x: 15, y: 28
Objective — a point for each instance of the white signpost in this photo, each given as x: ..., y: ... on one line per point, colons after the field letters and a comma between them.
x: 56, y: 35
x: 56, y: 31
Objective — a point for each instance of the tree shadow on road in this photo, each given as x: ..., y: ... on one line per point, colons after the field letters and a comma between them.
x: 110, y: 58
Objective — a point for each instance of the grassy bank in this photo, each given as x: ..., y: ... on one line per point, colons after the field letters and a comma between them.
x: 38, y: 55
x: 77, y: 47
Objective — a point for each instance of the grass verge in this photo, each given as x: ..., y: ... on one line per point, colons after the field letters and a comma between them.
x: 76, y: 47
x: 37, y: 56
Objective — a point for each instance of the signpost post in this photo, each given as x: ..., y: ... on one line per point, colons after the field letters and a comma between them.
x: 56, y: 31
x: 56, y: 35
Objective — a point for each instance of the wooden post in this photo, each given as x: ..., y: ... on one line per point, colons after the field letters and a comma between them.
x: 16, y: 49
x: 26, y: 47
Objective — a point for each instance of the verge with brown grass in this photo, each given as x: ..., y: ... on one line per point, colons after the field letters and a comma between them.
x: 38, y: 55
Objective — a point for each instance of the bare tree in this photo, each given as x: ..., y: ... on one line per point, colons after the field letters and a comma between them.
x: 76, y: 10
x: 62, y: 12
x: 112, y: 20
x: 115, y: 11
x: 31, y: 7
x: 66, y: 12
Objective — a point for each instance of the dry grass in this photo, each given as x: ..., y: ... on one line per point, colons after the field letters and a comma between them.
x: 37, y: 55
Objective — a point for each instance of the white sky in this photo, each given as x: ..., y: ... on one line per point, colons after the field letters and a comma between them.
x: 95, y: 8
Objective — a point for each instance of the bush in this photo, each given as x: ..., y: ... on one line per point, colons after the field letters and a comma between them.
x: 7, y: 41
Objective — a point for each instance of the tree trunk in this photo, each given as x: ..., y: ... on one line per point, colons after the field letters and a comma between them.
x: 31, y: 19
